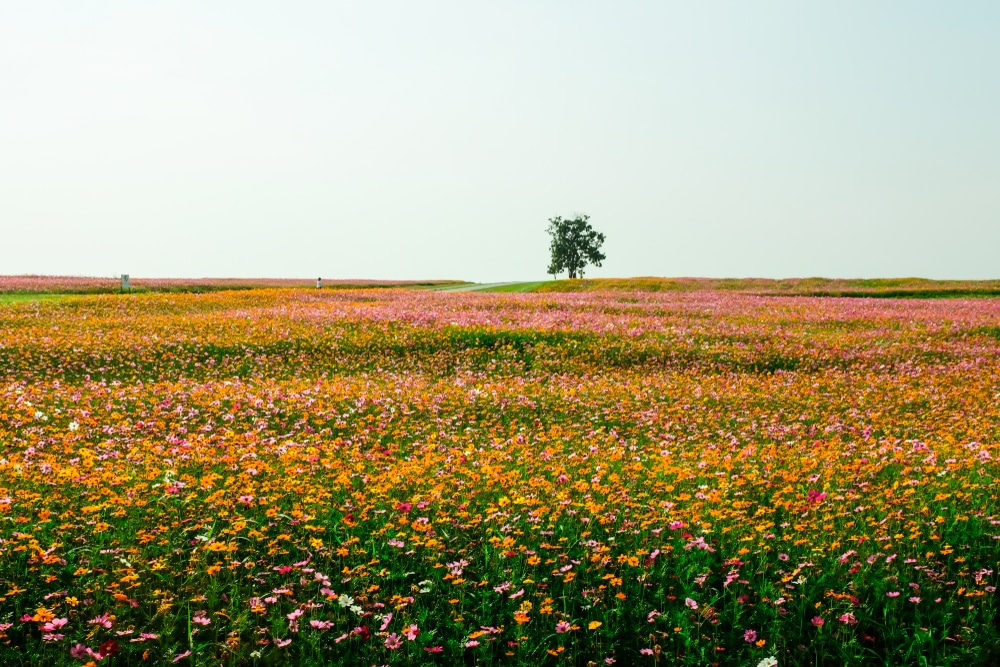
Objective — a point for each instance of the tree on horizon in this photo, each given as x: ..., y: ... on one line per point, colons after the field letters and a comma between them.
x: 574, y: 244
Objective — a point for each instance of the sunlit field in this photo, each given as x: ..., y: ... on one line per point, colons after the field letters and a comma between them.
x: 398, y: 477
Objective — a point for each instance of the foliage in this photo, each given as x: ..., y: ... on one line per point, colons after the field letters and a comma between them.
x: 575, y: 243
x: 401, y: 477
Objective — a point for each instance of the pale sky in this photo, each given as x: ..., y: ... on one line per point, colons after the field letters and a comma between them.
x: 407, y: 140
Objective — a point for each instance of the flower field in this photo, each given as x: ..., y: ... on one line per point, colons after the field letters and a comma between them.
x: 394, y: 477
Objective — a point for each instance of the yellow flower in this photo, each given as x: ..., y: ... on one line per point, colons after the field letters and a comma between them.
x: 593, y: 625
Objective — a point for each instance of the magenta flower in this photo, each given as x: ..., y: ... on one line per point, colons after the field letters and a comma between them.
x: 750, y: 636
x: 562, y: 626
x: 393, y: 641
x: 818, y: 621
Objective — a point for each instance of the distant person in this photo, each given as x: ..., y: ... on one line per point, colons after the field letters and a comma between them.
x: 319, y: 283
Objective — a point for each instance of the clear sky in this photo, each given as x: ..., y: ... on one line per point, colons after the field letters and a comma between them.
x: 434, y: 139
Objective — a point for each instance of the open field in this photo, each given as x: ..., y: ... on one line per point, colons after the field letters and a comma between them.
x: 404, y: 477
x: 94, y: 285
x: 913, y: 288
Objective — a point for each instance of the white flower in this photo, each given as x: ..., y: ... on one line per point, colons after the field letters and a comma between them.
x: 73, y: 426
x: 768, y: 662
x: 345, y: 601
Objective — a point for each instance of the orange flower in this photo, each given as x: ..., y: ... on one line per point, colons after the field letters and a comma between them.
x: 42, y: 615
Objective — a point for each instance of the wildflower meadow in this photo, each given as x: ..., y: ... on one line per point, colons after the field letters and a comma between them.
x: 402, y: 477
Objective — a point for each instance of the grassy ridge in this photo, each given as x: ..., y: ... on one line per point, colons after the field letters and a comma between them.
x: 877, y: 287
x: 29, y: 285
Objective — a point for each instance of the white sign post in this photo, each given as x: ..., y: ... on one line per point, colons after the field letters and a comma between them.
x: 126, y: 286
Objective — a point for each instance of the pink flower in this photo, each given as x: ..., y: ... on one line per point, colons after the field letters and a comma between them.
x: 282, y: 643
x: 385, y: 622
x: 393, y: 641
x: 690, y: 603
x: 294, y: 615
x: 892, y: 594
x: 818, y: 621
x: 848, y: 618
x: 201, y: 620
x: 915, y: 600
x: 181, y: 656
x: 562, y: 626
x: 103, y: 620
x: 471, y: 643
x: 782, y: 556
x: 750, y: 636
x: 80, y: 652
x: 434, y: 649
x: 411, y: 632
x: 815, y: 496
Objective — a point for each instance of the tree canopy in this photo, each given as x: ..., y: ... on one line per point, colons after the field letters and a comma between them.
x: 575, y: 243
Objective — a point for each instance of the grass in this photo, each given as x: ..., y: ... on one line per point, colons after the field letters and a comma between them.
x: 32, y: 297
x: 519, y: 287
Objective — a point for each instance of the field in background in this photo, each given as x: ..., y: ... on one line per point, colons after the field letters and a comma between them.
x: 92, y: 285
x: 408, y: 477
x: 879, y: 287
